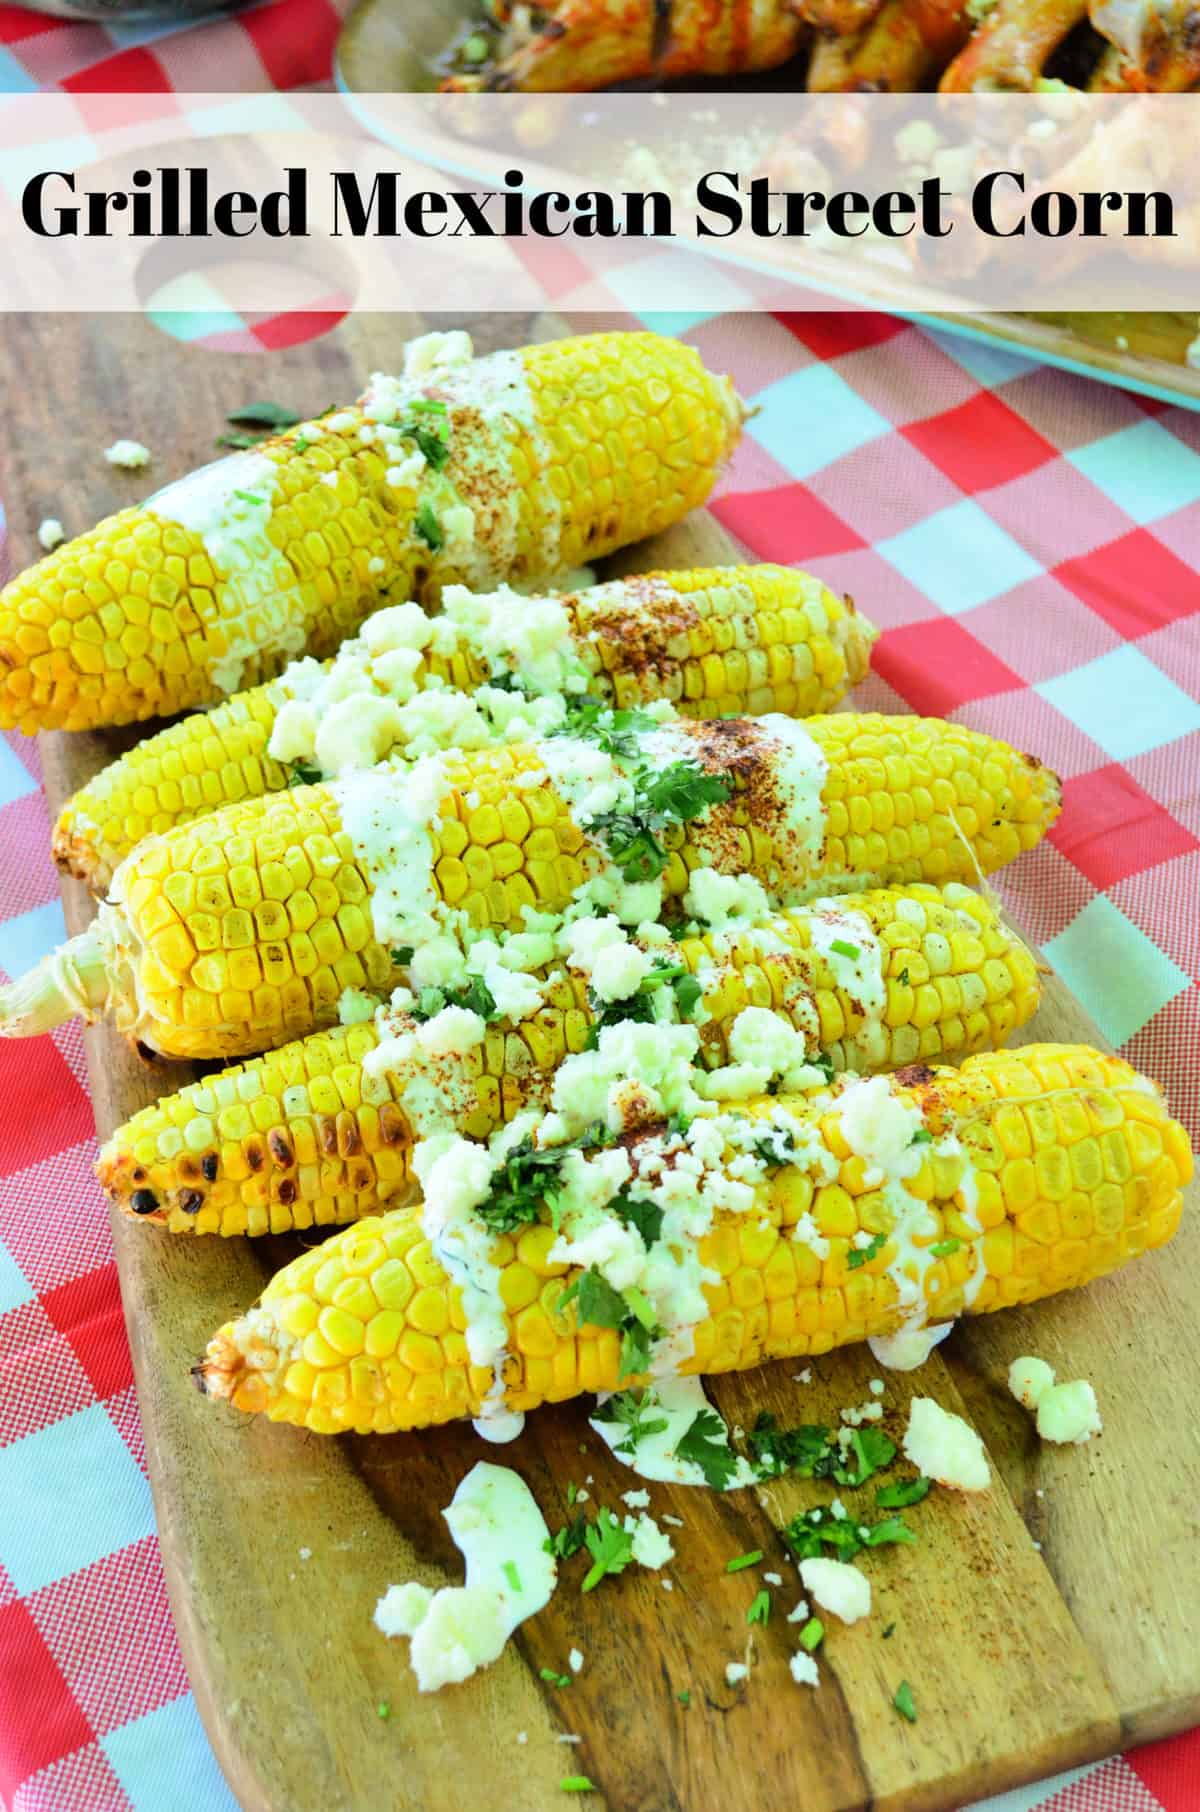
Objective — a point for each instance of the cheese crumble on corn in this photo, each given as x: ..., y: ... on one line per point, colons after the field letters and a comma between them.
x: 1044, y: 1168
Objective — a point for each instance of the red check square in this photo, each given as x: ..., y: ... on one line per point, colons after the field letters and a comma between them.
x: 39, y: 1718
x: 130, y: 72
x: 981, y: 443
x: 849, y: 330
x: 44, y: 1105
x: 1136, y: 584
x: 937, y: 666
x: 87, y: 1312
x: 41, y: 1381
x: 787, y: 524
x: 1110, y: 828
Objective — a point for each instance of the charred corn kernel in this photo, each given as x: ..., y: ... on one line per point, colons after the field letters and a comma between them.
x: 768, y: 1304
x: 174, y: 1165
x: 787, y: 644
x: 216, y: 581
x: 786, y: 821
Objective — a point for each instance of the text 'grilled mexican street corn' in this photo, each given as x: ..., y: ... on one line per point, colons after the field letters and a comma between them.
x: 784, y: 1226
x: 228, y: 935
x: 716, y: 642
x: 323, y: 1130
x: 515, y: 466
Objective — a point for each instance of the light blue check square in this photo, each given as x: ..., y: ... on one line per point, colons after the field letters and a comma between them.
x: 959, y: 557
x: 20, y: 162
x: 29, y: 937
x: 664, y: 291
x: 16, y: 782
x: 1036, y: 1796
x: 1144, y: 469
x: 15, y: 1287
x: 988, y: 365
x: 164, y: 1759
x: 812, y: 417
x: 14, y: 79
x: 1123, y: 702
x: 1121, y: 977
x: 71, y: 1493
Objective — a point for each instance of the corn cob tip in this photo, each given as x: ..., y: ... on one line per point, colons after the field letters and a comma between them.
x: 70, y: 981
x: 238, y: 1361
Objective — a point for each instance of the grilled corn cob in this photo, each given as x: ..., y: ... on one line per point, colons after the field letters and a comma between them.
x: 716, y: 642
x: 1041, y: 1169
x: 306, y: 1136
x: 231, y: 934
x: 518, y: 466
x: 236, y: 932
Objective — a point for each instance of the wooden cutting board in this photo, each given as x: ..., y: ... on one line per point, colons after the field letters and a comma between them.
x: 1042, y: 1624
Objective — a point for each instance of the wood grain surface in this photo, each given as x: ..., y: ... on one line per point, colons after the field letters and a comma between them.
x: 1040, y: 1624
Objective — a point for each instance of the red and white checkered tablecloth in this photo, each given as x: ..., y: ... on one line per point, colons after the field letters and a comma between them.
x: 1029, y: 542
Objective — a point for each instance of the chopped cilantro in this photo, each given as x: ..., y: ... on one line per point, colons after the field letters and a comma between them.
x: 603, y: 1307
x: 811, y: 1531
x: 741, y: 1561
x: 760, y: 1607
x: 639, y: 1006
x: 873, y: 1450
x: 570, y: 1538
x: 552, y: 1679
x: 862, y: 1255
x: 902, y: 978
x: 904, y: 1492
x: 922, y: 1137
x: 403, y: 954
x: 805, y: 1450
x: 903, y: 1702
x: 241, y: 442
x: 263, y: 415
x: 572, y: 1491
x: 675, y: 795
x: 428, y: 528
x: 889, y: 1630
x: 706, y: 1445
x: 812, y: 1635
x: 684, y: 1697
x: 303, y: 774
x: 512, y: 1575
x: 249, y: 497
x: 840, y: 947
x: 529, y: 1180
x: 610, y: 1546
x: 943, y: 1248
x: 576, y: 1783
x: 647, y: 1217
x: 616, y: 732
x: 383, y: 1710
x: 433, y: 446
x: 476, y: 997
x: 634, y: 1409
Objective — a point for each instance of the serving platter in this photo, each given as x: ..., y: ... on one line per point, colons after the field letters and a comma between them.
x: 1043, y: 1623
x: 391, y: 47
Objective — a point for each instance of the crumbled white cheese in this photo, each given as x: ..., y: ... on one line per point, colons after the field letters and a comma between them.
x: 837, y: 1587
x: 719, y: 900
x: 736, y: 1672
x: 355, y: 1007
x: 944, y: 1447
x: 130, y: 455
x: 575, y: 1660
x: 51, y: 533
x: 804, y: 1669
x: 503, y: 1538
x: 1069, y: 1413
x: 775, y: 1579
x: 800, y: 1612
x: 1029, y: 1379
x: 651, y: 1546
x: 636, y: 1500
